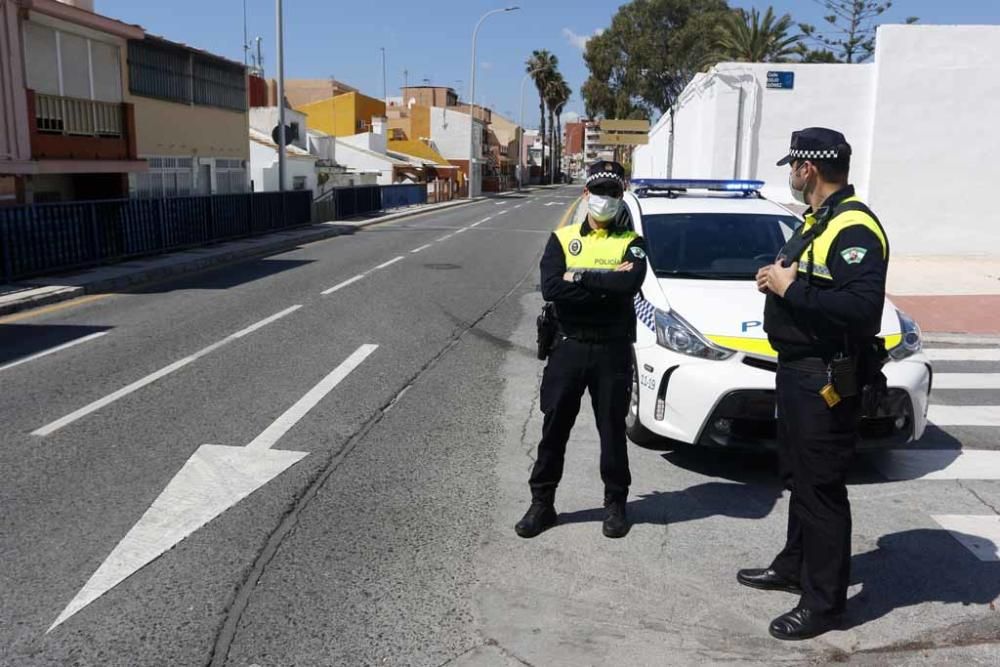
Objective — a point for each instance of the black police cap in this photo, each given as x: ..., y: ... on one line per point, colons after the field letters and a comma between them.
x: 604, y: 171
x: 816, y: 143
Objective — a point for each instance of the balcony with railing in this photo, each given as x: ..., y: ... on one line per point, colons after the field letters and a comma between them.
x: 78, y: 129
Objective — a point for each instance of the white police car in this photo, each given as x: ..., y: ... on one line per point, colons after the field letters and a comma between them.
x: 704, y: 371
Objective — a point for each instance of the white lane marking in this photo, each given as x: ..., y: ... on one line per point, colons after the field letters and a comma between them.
x: 53, y: 350
x: 967, y: 380
x: 963, y: 354
x: 270, y: 436
x: 340, y: 286
x: 215, y: 478
x: 502, y: 212
x: 445, y: 237
x: 389, y: 263
x: 463, y: 229
x: 978, y: 533
x: 500, y: 203
x: 554, y: 203
x: 906, y: 464
x: 51, y: 428
x: 264, y: 322
x: 964, y: 415
x: 423, y: 247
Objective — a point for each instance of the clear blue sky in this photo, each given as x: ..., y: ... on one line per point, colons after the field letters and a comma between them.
x: 432, y: 40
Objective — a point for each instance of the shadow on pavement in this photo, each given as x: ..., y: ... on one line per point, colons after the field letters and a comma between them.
x: 224, y: 276
x: 739, y: 501
x: 18, y: 341
x: 918, y: 566
x: 761, y: 467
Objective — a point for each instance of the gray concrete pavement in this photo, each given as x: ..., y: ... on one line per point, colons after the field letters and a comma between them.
x: 391, y: 541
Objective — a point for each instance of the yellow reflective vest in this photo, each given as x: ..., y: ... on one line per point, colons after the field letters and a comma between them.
x: 599, y: 250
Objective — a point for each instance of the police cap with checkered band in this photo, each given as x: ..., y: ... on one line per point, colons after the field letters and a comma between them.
x: 816, y: 143
x: 605, y: 172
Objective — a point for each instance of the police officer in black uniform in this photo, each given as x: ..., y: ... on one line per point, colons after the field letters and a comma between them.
x: 591, y: 273
x: 822, y: 312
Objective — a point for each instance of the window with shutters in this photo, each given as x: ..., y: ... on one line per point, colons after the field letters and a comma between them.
x: 169, y: 72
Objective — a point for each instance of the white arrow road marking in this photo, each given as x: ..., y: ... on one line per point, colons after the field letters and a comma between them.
x: 48, y: 429
x: 980, y: 534
x: 967, y: 380
x: 900, y: 464
x: 962, y: 354
x: 964, y: 415
x: 215, y: 478
x: 58, y: 348
x: 340, y: 286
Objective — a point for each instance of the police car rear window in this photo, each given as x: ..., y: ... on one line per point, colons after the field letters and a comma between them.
x: 714, y: 246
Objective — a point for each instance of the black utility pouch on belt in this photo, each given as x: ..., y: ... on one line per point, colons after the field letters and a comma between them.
x: 844, y: 376
x: 547, y: 329
x: 872, y: 356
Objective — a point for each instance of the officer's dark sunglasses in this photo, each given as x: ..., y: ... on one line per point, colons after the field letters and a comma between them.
x: 606, y: 190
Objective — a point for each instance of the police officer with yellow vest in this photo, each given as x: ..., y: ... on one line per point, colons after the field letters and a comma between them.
x: 823, y: 312
x: 591, y: 273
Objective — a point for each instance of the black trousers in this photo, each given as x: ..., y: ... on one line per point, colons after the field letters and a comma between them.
x: 605, y: 370
x: 816, y: 444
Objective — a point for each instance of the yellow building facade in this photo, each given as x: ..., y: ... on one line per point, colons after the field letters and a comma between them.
x: 343, y: 115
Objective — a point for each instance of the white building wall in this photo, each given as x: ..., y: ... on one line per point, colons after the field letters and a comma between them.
x: 934, y: 159
x: 264, y: 169
x: 450, y: 133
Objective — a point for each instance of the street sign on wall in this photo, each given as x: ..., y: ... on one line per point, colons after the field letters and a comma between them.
x: 622, y: 139
x: 781, y: 80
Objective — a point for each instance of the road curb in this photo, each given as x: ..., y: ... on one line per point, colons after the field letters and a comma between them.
x: 293, y: 237
x: 961, y: 338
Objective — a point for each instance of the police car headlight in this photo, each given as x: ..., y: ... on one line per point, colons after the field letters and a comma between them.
x: 674, y: 333
x: 911, y: 343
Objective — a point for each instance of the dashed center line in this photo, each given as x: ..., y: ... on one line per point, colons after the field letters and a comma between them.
x: 389, y: 263
x: 340, y: 286
x: 48, y: 429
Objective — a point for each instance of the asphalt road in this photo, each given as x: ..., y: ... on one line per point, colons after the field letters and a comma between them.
x: 390, y: 540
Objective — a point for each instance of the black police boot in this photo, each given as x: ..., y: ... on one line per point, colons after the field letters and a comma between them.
x: 767, y: 580
x: 802, y: 623
x: 540, y: 517
x: 615, y: 522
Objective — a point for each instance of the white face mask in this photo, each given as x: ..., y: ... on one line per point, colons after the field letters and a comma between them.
x: 798, y: 195
x: 603, y: 209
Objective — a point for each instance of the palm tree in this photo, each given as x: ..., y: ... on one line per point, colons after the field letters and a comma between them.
x: 748, y: 37
x: 561, y: 92
x: 542, y: 66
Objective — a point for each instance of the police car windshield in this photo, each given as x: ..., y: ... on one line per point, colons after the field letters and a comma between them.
x: 714, y: 246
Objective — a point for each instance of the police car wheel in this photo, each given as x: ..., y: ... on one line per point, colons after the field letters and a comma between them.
x: 634, y: 429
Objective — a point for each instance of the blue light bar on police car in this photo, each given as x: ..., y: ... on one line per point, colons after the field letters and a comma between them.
x: 667, y: 184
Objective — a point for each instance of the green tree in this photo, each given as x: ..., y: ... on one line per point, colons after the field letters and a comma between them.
x: 749, y: 37
x: 650, y: 52
x: 542, y: 65
x: 850, y: 32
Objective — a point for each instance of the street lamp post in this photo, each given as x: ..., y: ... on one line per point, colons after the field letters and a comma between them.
x: 520, y: 137
x: 472, y: 92
x: 281, y: 94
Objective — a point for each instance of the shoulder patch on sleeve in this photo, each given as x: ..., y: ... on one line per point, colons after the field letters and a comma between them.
x: 637, y: 252
x: 854, y: 255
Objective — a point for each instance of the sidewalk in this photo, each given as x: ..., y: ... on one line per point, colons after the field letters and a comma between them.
x: 948, y: 295
x: 44, y: 290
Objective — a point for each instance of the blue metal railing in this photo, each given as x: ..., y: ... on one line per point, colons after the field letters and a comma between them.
x: 343, y: 203
x: 47, y: 238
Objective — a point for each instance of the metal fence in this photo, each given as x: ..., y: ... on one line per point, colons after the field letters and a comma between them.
x: 343, y: 203
x: 47, y: 238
